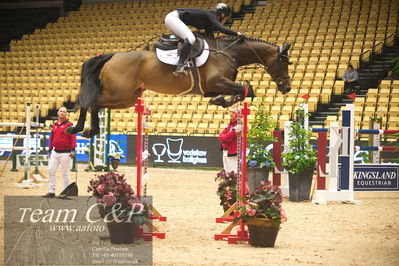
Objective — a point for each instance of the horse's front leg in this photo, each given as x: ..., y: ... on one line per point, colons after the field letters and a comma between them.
x: 94, y: 125
x: 80, y: 125
x: 227, y: 87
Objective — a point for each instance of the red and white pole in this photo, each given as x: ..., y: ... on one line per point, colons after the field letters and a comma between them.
x: 139, y: 108
x: 242, y: 233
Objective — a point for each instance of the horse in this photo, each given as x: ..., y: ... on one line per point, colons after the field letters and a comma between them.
x: 114, y: 80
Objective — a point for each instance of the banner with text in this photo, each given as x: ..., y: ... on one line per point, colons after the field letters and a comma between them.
x: 180, y: 150
x: 376, y: 177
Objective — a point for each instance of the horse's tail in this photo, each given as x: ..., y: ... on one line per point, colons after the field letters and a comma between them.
x: 90, y: 83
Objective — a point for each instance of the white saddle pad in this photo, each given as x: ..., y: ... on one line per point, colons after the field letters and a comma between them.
x: 171, y: 57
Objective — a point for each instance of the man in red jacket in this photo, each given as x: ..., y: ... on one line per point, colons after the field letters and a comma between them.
x: 62, y: 150
x: 228, y: 139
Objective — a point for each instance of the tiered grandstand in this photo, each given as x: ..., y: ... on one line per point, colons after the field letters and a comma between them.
x: 44, y: 67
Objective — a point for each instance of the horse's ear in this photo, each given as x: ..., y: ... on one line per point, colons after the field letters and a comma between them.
x: 285, y: 48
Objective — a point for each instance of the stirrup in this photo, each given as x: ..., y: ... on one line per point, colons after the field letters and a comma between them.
x: 180, y: 70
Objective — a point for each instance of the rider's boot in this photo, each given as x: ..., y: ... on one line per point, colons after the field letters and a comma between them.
x: 184, y: 52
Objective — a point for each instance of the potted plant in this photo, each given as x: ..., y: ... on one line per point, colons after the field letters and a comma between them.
x: 263, y: 214
x: 227, y: 188
x: 259, y: 159
x: 299, y: 160
x: 121, y: 209
x: 115, y: 159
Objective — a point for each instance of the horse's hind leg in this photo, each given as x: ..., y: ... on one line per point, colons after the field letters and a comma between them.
x: 80, y: 125
x: 94, y: 125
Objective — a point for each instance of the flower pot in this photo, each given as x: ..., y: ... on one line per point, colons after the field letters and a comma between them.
x: 115, y: 164
x: 254, y: 176
x: 300, y: 185
x: 123, y: 232
x: 262, y: 232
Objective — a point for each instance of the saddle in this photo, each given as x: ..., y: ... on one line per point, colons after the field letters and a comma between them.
x: 170, y: 42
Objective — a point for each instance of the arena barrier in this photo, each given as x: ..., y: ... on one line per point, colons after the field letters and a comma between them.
x: 28, y: 180
x: 338, y: 183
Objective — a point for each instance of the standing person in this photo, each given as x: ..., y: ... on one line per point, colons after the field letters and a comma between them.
x: 178, y: 21
x: 62, y: 150
x: 228, y: 140
x: 350, y: 78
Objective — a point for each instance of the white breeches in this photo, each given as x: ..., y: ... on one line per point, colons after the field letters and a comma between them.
x: 229, y: 163
x: 178, y: 28
x: 58, y: 159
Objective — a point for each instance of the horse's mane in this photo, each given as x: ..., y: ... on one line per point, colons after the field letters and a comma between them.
x: 246, y: 38
x: 232, y: 38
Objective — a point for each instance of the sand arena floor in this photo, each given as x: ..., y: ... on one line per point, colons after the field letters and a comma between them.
x: 333, y: 234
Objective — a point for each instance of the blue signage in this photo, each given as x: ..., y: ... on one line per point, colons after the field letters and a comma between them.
x: 118, y: 144
x: 81, y: 154
x: 376, y: 177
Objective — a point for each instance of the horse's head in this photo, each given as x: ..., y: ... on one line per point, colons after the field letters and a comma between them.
x: 278, y: 69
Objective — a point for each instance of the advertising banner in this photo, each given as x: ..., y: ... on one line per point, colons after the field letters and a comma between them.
x: 180, y: 150
x: 376, y: 177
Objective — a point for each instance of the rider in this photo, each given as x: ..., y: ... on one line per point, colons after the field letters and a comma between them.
x: 211, y: 20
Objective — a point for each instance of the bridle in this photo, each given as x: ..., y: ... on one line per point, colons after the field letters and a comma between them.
x: 281, y: 58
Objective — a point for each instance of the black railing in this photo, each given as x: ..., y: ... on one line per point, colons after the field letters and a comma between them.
x: 365, y: 58
x: 378, y: 48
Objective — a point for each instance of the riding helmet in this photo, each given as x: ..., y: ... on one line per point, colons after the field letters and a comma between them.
x: 222, y: 8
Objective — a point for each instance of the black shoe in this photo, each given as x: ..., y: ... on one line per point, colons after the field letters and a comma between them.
x: 49, y: 195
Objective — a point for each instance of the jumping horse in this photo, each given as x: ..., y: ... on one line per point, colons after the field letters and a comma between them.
x: 114, y: 80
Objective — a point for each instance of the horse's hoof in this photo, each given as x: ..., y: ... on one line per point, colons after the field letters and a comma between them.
x: 69, y: 130
x: 218, y: 100
x: 86, y: 134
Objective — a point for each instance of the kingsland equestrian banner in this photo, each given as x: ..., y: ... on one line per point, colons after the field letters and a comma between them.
x: 376, y: 177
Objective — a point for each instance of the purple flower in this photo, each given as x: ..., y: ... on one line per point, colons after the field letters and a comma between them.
x: 253, y: 163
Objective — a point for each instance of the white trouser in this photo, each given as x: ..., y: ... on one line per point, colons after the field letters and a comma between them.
x: 175, y: 25
x: 229, y: 162
x: 58, y: 159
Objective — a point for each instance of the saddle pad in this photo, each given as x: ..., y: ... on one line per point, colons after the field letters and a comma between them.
x: 171, y: 57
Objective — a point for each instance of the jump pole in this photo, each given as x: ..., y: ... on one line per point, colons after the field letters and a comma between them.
x: 242, y: 233
x: 27, y: 182
x: 278, y: 169
x: 36, y: 174
x: 139, y: 108
x: 147, y: 236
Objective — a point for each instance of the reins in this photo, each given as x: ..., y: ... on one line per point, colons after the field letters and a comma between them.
x: 278, y: 79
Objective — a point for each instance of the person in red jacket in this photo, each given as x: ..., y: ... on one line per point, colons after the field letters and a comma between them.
x: 228, y: 140
x: 62, y: 150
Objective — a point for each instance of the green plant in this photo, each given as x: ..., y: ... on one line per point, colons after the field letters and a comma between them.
x: 265, y: 201
x: 227, y: 188
x: 395, y: 63
x: 259, y: 136
x: 116, y: 199
x: 301, y: 154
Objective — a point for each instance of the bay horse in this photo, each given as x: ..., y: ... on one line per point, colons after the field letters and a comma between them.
x: 114, y: 80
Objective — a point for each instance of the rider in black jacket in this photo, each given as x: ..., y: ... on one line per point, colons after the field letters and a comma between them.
x: 210, y: 20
